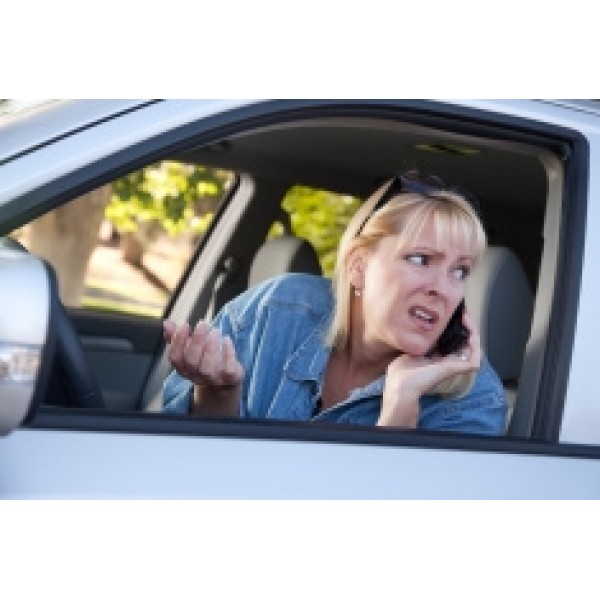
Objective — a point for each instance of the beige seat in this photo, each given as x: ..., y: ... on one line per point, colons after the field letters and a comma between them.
x: 500, y: 299
x: 283, y: 254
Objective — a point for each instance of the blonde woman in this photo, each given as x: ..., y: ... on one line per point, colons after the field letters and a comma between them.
x: 363, y: 348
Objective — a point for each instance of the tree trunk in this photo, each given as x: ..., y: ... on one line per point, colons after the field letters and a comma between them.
x: 135, y: 243
x: 132, y: 248
x: 66, y: 237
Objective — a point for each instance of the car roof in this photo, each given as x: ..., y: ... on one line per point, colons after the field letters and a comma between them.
x: 351, y: 155
x: 28, y: 125
x: 584, y: 106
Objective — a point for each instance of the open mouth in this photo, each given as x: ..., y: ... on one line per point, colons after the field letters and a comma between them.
x: 426, y: 318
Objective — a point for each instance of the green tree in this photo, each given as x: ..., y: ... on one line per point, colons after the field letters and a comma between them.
x: 167, y: 196
x: 319, y: 217
x: 176, y: 196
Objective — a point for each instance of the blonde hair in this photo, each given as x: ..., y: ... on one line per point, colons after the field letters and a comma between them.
x: 404, y: 215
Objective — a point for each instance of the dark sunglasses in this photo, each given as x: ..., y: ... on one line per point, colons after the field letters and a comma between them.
x: 425, y: 186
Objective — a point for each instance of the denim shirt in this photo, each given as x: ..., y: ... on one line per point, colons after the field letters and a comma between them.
x: 278, y: 330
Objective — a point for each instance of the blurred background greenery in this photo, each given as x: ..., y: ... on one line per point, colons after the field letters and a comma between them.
x: 178, y: 198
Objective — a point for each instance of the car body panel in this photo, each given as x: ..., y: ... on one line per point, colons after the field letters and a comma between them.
x: 59, y: 464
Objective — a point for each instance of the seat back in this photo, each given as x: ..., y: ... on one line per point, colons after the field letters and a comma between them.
x: 500, y: 299
x: 283, y: 254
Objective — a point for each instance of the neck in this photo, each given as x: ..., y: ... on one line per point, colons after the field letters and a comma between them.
x: 363, y: 356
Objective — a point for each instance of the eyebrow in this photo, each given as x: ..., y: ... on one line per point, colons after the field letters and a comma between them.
x: 431, y: 250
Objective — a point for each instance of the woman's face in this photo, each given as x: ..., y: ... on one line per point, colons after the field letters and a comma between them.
x: 409, y: 295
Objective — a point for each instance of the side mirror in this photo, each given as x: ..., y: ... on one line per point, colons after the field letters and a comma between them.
x: 26, y: 335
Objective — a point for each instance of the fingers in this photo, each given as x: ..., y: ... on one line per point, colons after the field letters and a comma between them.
x: 233, y: 370
x: 208, y: 354
x: 472, y: 351
x: 203, y: 355
x: 168, y: 330
x: 418, y: 375
x: 468, y: 320
x: 179, y: 337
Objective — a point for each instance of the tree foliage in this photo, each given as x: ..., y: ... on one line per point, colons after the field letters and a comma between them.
x: 319, y: 217
x: 175, y: 196
x: 180, y: 198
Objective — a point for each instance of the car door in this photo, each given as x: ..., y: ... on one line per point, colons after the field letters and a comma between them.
x: 62, y: 452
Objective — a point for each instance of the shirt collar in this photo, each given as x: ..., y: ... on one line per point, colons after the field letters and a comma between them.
x: 309, y: 361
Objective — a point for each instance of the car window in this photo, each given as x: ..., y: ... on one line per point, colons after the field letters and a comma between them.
x: 320, y: 153
x: 318, y: 216
x: 124, y: 246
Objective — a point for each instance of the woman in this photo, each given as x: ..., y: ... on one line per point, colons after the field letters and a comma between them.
x: 361, y: 348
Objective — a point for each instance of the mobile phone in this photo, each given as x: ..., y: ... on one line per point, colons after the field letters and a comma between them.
x: 455, y: 336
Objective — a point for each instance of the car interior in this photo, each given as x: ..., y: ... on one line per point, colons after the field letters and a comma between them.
x: 354, y: 156
x: 518, y: 184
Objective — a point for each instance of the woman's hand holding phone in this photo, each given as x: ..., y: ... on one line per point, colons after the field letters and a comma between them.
x: 410, y: 377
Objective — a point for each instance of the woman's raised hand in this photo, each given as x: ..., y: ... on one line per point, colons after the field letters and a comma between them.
x: 203, y: 355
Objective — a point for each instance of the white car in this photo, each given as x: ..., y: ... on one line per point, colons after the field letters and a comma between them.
x: 80, y: 387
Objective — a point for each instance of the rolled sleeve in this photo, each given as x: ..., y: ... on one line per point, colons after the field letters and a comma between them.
x: 482, y: 411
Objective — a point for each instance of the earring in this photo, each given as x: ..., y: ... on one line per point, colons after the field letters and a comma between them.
x: 357, y: 292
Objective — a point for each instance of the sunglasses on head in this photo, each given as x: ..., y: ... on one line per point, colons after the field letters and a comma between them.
x: 427, y: 185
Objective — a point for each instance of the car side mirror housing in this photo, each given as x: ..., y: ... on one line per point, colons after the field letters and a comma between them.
x: 27, y: 289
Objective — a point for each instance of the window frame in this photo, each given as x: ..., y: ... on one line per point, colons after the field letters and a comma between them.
x: 568, y: 143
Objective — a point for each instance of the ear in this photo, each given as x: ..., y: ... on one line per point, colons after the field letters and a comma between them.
x: 355, y: 266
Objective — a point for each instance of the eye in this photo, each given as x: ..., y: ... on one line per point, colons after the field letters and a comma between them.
x: 417, y: 259
x: 461, y: 272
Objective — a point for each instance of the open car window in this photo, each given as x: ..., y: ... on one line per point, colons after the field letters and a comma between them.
x: 323, y: 159
x: 124, y: 246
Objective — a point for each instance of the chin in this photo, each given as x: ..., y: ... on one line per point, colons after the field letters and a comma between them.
x: 415, y: 347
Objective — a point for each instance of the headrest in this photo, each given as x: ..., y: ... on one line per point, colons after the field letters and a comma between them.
x: 500, y: 299
x: 283, y: 254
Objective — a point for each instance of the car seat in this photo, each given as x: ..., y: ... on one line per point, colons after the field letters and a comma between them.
x: 283, y: 254
x: 500, y: 300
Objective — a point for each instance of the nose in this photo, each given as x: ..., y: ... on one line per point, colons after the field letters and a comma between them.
x: 439, y: 283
